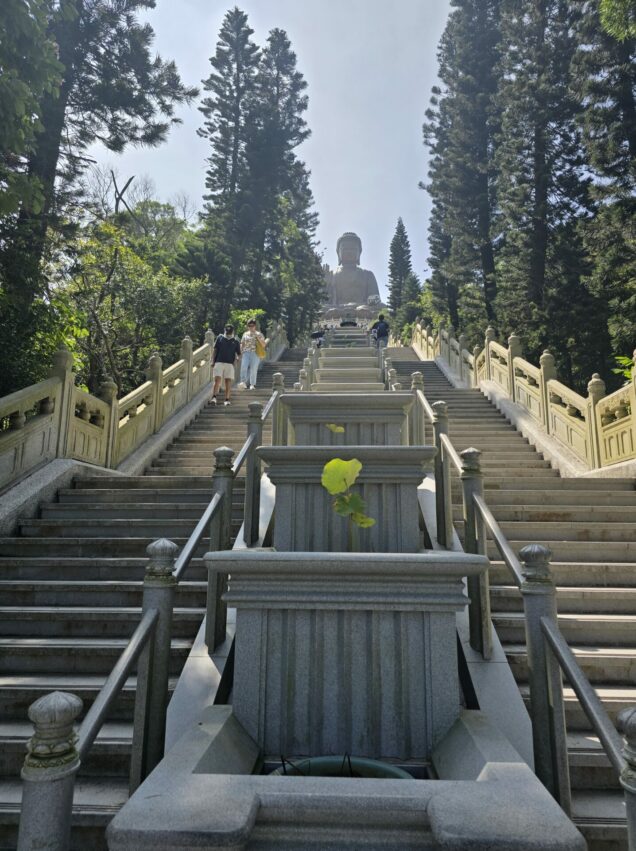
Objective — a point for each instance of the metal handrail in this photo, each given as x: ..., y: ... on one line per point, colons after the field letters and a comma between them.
x: 185, y: 556
x: 430, y: 414
x: 109, y: 692
x: 505, y: 550
x: 589, y: 700
x: 450, y: 450
x: 242, y: 455
x: 269, y: 406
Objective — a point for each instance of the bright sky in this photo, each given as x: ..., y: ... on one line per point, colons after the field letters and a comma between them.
x: 369, y: 65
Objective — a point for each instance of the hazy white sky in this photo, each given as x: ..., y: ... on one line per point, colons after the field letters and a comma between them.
x: 369, y: 65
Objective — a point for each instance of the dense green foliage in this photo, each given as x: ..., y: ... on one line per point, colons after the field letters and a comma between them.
x: 258, y: 223
x: 107, y: 269
x: 532, y: 135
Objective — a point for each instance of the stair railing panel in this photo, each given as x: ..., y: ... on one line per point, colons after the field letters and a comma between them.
x: 600, y: 430
x: 548, y: 654
x: 29, y: 428
x: 55, y: 419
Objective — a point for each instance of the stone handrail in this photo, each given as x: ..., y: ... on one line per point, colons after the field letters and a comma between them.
x: 599, y: 430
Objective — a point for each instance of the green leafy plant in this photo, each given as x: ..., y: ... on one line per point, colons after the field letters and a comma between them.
x: 624, y: 367
x: 338, y: 477
x: 335, y: 428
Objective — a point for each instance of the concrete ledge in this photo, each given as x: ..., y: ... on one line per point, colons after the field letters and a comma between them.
x: 22, y: 501
x: 137, y: 462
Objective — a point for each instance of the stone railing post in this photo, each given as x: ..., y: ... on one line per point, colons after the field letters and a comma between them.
x: 154, y: 373
x: 308, y: 367
x: 595, y: 391
x: 63, y: 369
x: 48, y: 774
x: 278, y: 414
x: 220, y: 539
x: 547, y: 712
x: 490, y: 336
x: 417, y: 420
x: 478, y: 586
x: 548, y: 372
x: 304, y: 380
x: 186, y: 354
x: 253, y: 476
x: 443, y: 499
x: 391, y: 379
x: 627, y: 726
x: 108, y: 393
x: 514, y: 351
x: 387, y: 368
x: 451, y: 337
x: 153, y: 668
x: 428, y: 353
x: 461, y: 342
x: 476, y: 353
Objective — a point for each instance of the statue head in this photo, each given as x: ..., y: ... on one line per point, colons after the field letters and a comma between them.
x: 349, y: 248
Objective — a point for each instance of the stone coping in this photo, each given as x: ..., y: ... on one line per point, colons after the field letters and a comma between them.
x: 391, y: 464
x: 438, y: 566
x: 356, y: 406
x: 182, y: 806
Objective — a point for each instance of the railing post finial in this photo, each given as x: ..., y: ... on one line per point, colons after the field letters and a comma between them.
x: 49, y: 772
x: 278, y: 381
x: 161, y: 557
x: 223, y: 456
x: 596, y: 388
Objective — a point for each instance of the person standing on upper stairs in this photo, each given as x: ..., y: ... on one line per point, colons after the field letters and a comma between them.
x: 253, y: 345
x: 227, y: 350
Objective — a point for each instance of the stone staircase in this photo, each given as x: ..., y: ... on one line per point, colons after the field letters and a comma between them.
x: 589, y: 526
x: 70, y: 597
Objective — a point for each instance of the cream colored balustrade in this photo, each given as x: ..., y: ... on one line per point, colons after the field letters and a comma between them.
x: 599, y: 430
x: 616, y: 425
x: 30, y: 422
x: 529, y: 391
x: 55, y: 419
x: 568, y: 420
x: 89, y: 431
x: 499, y: 371
x: 137, y: 417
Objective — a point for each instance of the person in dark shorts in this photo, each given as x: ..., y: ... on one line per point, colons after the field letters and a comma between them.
x: 227, y: 350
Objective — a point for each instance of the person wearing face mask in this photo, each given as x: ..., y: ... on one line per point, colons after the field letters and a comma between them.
x: 227, y: 350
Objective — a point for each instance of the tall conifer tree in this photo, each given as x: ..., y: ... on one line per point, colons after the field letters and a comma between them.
x: 400, y: 266
x: 460, y: 130
x: 543, y: 182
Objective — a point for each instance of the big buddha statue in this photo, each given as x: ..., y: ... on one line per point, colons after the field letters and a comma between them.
x: 349, y: 284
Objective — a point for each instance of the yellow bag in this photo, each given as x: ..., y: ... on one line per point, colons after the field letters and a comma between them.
x: 260, y: 348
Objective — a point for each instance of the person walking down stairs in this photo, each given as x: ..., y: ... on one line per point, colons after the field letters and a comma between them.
x: 227, y: 351
x: 253, y: 347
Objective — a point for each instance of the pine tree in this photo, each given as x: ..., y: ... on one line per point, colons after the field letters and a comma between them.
x: 460, y: 130
x: 229, y: 114
x: 277, y: 130
x: 542, y: 182
x: 400, y: 266
x: 605, y: 83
